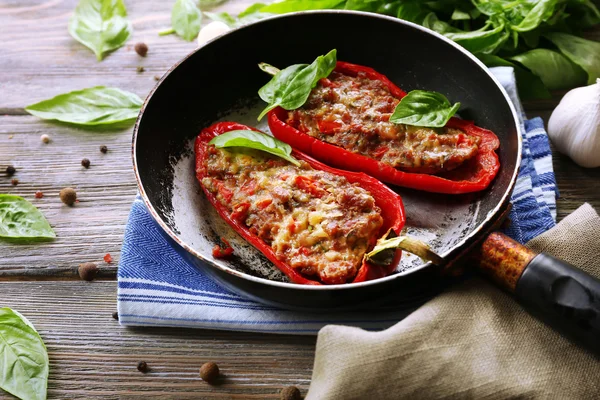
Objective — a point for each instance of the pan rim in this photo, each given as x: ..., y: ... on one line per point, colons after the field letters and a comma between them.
x: 346, y: 286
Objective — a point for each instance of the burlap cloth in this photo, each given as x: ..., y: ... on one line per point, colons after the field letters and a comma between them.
x: 473, y: 341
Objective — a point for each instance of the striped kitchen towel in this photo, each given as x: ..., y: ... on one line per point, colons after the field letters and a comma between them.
x: 156, y: 287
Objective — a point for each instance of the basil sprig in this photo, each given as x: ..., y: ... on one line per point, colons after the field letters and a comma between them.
x: 291, y: 86
x: 92, y: 106
x: 424, y: 108
x: 25, y: 364
x: 255, y: 140
x: 21, y: 219
x: 100, y: 25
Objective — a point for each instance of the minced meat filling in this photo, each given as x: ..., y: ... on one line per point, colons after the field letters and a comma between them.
x: 354, y: 112
x: 317, y: 222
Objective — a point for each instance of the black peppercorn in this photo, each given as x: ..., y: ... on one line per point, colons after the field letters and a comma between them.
x: 141, y: 49
x: 103, y: 149
x: 14, y: 182
x: 86, y: 163
x: 142, y: 366
x: 140, y: 69
x: 10, y: 170
x: 115, y: 315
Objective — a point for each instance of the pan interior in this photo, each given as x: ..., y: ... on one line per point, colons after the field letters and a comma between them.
x: 220, y: 81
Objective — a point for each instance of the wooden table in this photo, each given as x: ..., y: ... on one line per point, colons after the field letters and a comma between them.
x: 91, y: 356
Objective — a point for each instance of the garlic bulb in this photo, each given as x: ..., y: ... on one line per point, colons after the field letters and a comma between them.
x: 211, y: 31
x: 574, y: 126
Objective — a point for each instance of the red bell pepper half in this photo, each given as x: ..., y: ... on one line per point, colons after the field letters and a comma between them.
x: 474, y: 175
x: 390, y: 203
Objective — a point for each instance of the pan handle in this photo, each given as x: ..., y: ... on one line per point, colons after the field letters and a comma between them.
x: 563, y: 296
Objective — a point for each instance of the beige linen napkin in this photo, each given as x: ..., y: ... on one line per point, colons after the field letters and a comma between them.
x: 473, y: 341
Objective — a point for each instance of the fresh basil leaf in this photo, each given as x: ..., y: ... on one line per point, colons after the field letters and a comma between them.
x: 480, y: 41
x: 459, y: 15
x: 252, y: 9
x: 92, y: 106
x: 100, y: 25
x: 186, y: 18
x: 432, y: 22
x: 554, y: 69
x: 24, y: 367
x: 424, y: 108
x: 21, y: 219
x: 287, y: 6
x: 530, y: 86
x: 255, y: 140
x: 224, y: 17
x: 413, y: 11
x: 291, y: 87
x: 363, y: 5
x: 542, y: 11
x: 582, y: 52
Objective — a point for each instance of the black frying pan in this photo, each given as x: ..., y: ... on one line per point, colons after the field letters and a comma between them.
x: 220, y: 82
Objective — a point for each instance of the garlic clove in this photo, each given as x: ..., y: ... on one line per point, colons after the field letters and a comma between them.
x: 574, y: 126
x: 211, y: 31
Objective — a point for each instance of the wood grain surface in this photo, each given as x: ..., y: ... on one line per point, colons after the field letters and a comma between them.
x: 91, y: 355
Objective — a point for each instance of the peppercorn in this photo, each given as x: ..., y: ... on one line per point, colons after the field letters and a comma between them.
x: 86, y: 163
x: 103, y: 149
x: 68, y: 196
x: 14, y: 182
x: 142, y: 366
x: 156, y: 78
x: 87, y: 271
x: 10, y: 170
x: 45, y: 138
x: 209, y: 372
x: 140, y: 69
x: 141, y: 49
x: 39, y: 194
x: 115, y: 315
x: 290, y: 393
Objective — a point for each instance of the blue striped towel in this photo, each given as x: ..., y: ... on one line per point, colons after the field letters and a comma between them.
x: 156, y: 287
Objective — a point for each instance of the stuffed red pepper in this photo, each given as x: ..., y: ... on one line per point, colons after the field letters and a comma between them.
x: 314, y: 222
x: 345, y: 122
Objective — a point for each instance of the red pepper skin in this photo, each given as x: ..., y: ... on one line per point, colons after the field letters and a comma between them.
x: 474, y: 175
x: 392, y: 208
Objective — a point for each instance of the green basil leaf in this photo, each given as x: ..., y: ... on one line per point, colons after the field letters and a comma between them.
x: 424, y: 108
x: 21, y: 219
x: 363, y: 5
x: 92, y: 106
x: 413, y: 11
x: 24, y: 367
x: 186, y: 18
x: 582, y: 52
x: 287, y: 6
x: 252, y: 9
x: 255, y: 140
x: 554, y: 69
x: 480, y: 41
x: 459, y: 15
x: 530, y: 86
x: 100, y: 25
x: 291, y: 87
x: 224, y: 17
x: 542, y: 11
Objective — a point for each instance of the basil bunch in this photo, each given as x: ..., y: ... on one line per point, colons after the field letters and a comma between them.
x: 24, y: 367
x: 100, y: 25
x: 424, y: 108
x: 291, y: 86
x: 499, y: 32
x: 255, y: 140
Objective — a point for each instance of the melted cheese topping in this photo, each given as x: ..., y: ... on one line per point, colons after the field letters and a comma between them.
x: 315, y: 221
x: 354, y: 112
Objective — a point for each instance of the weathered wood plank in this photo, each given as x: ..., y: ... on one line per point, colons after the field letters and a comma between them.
x: 95, y: 225
x: 92, y: 356
x: 40, y: 59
